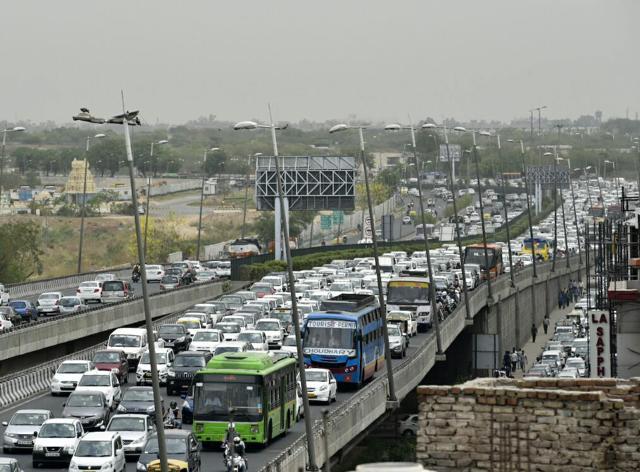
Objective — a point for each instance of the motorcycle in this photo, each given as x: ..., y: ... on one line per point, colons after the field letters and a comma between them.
x: 236, y: 463
x: 135, y: 277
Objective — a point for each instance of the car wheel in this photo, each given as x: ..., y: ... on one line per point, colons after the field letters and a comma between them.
x: 408, y: 433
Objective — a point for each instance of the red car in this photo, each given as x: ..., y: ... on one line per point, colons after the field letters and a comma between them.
x: 113, y: 360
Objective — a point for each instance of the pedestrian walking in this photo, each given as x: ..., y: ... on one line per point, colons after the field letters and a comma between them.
x: 534, y: 332
x: 545, y: 324
x: 514, y: 360
x: 580, y: 288
x: 523, y: 360
x: 506, y: 363
x: 560, y: 300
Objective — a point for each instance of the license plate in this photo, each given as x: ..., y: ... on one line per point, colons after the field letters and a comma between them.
x: 147, y: 375
x: 25, y: 443
x: 312, y: 395
x: 52, y: 454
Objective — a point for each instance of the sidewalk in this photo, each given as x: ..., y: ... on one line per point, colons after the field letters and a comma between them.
x: 533, y: 350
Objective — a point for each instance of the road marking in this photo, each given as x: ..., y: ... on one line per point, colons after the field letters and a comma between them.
x: 18, y: 405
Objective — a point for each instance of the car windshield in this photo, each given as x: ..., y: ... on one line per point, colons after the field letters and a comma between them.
x: 161, y: 358
x: 135, y: 395
x: 342, y: 287
x: 169, y: 279
x: 124, y: 340
x: 113, y: 286
x: 81, y: 400
x: 189, y: 361
x: 93, y: 449
x: 170, y: 329
x: 173, y: 446
x: 88, y: 380
x: 69, y: 301
x: 250, y: 337
x: 104, y: 357
x: 223, y: 349
x: 229, y: 328
x: 394, y: 330
x: 206, y: 336
x: 316, y: 376
x: 49, y: 296
x: 72, y: 368
x: 267, y: 326
x: 57, y: 430
x: 30, y: 419
x: 190, y: 324
x: 18, y: 304
x: 89, y: 284
x: 7, y: 468
x: 123, y: 423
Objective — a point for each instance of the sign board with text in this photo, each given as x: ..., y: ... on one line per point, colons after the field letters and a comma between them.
x: 455, y: 152
x: 600, y: 343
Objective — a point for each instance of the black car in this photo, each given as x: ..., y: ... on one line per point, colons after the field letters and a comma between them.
x: 180, y: 444
x: 184, y: 366
x: 175, y: 336
x: 90, y: 407
x: 138, y: 400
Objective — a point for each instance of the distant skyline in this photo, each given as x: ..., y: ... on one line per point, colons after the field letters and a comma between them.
x: 373, y: 59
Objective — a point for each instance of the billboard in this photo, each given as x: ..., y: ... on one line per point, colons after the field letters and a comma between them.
x: 455, y: 152
x: 600, y: 343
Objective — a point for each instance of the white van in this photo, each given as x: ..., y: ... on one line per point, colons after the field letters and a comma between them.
x: 133, y: 341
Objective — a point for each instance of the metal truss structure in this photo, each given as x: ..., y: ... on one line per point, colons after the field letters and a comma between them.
x: 309, y: 182
x: 545, y: 175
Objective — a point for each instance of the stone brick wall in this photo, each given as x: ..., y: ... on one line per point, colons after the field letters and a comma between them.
x: 531, y: 424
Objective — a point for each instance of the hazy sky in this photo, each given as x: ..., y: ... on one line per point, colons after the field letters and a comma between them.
x: 377, y: 59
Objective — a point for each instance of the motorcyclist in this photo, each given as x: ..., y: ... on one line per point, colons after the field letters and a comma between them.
x: 135, y: 273
x: 174, y: 416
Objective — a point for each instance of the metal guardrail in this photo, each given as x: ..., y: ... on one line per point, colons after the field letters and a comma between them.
x: 23, y: 385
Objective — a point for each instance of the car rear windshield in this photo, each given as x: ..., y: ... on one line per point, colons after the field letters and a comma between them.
x: 113, y: 286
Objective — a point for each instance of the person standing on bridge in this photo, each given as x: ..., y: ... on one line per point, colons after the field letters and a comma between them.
x: 545, y: 324
x: 534, y: 332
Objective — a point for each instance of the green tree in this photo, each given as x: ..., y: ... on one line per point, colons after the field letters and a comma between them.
x: 215, y: 162
x: 20, y: 251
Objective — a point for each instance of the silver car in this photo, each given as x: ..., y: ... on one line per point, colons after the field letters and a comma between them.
x: 48, y: 303
x: 134, y: 429
x: 71, y: 304
x: 18, y: 433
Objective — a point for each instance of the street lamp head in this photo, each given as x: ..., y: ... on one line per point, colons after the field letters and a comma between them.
x: 547, y: 154
x: 131, y: 118
x: 245, y: 125
x: 18, y: 128
x: 163, y: 141
x: 429, y: 126
x: 510, y: 141
x: 484, y: 133
x: 213, y: 149
x: 460, y: 129
x: 588, y: 168
x: 85, y: 115
x: 100, y: 135
x: 339, y: 127
x: 429, y: 162
x: 393, y: 127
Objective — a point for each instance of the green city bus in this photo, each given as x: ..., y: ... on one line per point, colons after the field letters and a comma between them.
x: 257, y: 389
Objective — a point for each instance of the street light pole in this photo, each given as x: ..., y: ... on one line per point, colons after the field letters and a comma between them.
x: 246, y: 195
x: 249, y: 125
x: 374, y: 240
x: 84, y: 199
x: 204, y: 164
x: 146, y: 213
x: 575, y: 213
x: 555, y: 206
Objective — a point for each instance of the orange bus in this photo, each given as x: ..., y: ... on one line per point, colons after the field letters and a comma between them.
x: 474, y: 254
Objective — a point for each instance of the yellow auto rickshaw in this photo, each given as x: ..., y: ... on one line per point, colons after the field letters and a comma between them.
x: 174, y: 465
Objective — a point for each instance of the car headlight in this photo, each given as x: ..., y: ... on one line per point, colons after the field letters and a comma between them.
x: 70, y: 450
x: 323, y: 387
x: 38, y: 448
x: 139, y: 372
x: 11, y: 435
x: 137, y: 442
x: 121, y: 408
x: 106, y: 466
x: 171, y: 373
x: 180, y: 339
x: 151, y: 409
x: 55, y: 381
x: 73, y: 465
x: 140, y: 467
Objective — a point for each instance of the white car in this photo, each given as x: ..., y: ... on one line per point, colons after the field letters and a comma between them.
x: 223, y: 269
x: 5, y: 323
x: 321, y: 385
x: 289, y: 345
x: 68, y: 375
x: 71, y: 304
x: 134, y: 429
x: 101, y: 381
x: 101, y: 451
x: 257, y: 339
x: 154, y: 273
x: 105, y: 277
x: 232, y: 346
x: 56, y: 442
x: 230, y: 330
x: 273, y: 329
x: 206, y: 340
x: 4, y: 295
x: 164, y: 360
x: 90, y: 291
x: 568, y: 373
x: 48, y: 303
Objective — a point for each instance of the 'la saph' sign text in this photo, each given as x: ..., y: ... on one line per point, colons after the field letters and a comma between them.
x: 599, y: 343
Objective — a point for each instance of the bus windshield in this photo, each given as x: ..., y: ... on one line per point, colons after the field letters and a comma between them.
x: 212, y: 401
x: 330, y: 337
x: 540, y: 243
x: 475, y: 255
x: 407, y: 292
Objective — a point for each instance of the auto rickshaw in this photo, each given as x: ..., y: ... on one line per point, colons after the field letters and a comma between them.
x: 174, y: 465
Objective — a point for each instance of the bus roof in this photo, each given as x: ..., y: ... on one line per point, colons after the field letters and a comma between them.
x: 251, y: 363
x: 536, y: 239
x: 481, y: 246
x: 350, y: 302
x: 424, y: 280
